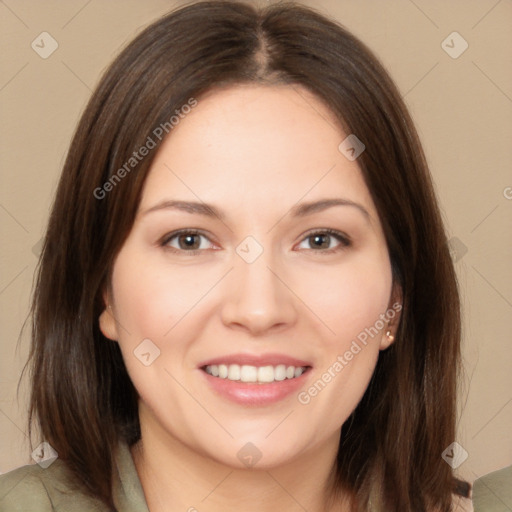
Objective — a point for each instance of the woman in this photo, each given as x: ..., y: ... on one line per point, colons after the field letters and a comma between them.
x: 245, y: 298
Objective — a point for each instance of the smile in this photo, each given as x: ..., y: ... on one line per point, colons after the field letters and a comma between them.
x: 255, y: 374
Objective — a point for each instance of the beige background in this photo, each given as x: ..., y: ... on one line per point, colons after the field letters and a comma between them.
x: 463, y: 111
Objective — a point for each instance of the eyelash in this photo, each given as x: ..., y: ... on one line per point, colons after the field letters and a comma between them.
x: 338, y: 235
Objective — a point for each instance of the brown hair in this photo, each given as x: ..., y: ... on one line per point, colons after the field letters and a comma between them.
x: 82, y: 397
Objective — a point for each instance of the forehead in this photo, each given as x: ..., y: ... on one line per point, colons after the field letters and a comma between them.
x: 255, y: 144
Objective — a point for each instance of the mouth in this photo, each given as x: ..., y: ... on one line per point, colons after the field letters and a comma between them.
x: 255, y: 380
x: 255, y: 374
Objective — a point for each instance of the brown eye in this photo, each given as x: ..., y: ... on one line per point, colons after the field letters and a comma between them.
x: 187, y: 241
x: 325, y: 241
x: 319, y: 241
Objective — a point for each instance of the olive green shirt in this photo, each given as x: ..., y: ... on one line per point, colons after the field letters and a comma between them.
x: 493, y: 492
x: 35, y: 489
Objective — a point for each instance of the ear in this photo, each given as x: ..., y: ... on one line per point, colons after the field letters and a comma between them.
x: 107, y: 321
x: 392, y: 315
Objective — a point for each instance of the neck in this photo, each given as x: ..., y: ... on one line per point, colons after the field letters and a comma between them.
x: 175, y: 477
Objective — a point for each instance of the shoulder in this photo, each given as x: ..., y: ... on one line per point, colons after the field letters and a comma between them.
x: 23, y: 489
x: 493, y: 491
x: 43, y: 490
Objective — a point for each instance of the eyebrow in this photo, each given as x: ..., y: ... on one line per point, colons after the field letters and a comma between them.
x: 303, y: 209
x: 188, y: 207
x: 299, y: 210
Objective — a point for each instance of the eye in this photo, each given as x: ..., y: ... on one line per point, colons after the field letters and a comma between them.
x: 187, y: 240
x: 325, y: 241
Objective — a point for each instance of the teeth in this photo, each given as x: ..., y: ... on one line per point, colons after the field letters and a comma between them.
x: 261, y: 374
x: 234, y: 372
x: 266, y: 374
x: 280, y: 372
x: 247, y: 373
x: 223, y: 371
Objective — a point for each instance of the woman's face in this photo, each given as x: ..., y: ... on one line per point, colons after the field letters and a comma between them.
x: 257, y: 252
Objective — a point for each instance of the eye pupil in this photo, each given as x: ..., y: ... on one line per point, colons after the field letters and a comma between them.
x: 189, y: 241
x: 321, y: 241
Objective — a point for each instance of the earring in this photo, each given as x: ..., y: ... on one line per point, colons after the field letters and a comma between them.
x: 390, y: 336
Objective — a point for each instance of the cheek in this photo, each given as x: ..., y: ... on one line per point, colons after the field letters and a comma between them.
x: 351, y: 303
x: 350, y: 299
x: 149, y: 303
x: 163, y: 305
x: 150, y: 298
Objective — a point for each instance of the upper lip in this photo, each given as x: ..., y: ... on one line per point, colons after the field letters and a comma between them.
x: 256, y: 360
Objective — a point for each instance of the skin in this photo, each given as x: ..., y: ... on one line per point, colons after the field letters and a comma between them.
x: 254, y: 152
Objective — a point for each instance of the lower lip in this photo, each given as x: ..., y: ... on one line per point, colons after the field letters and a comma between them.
x: 254, y: 394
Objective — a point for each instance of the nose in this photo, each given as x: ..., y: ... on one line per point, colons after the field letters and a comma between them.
x: 258, y: 299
